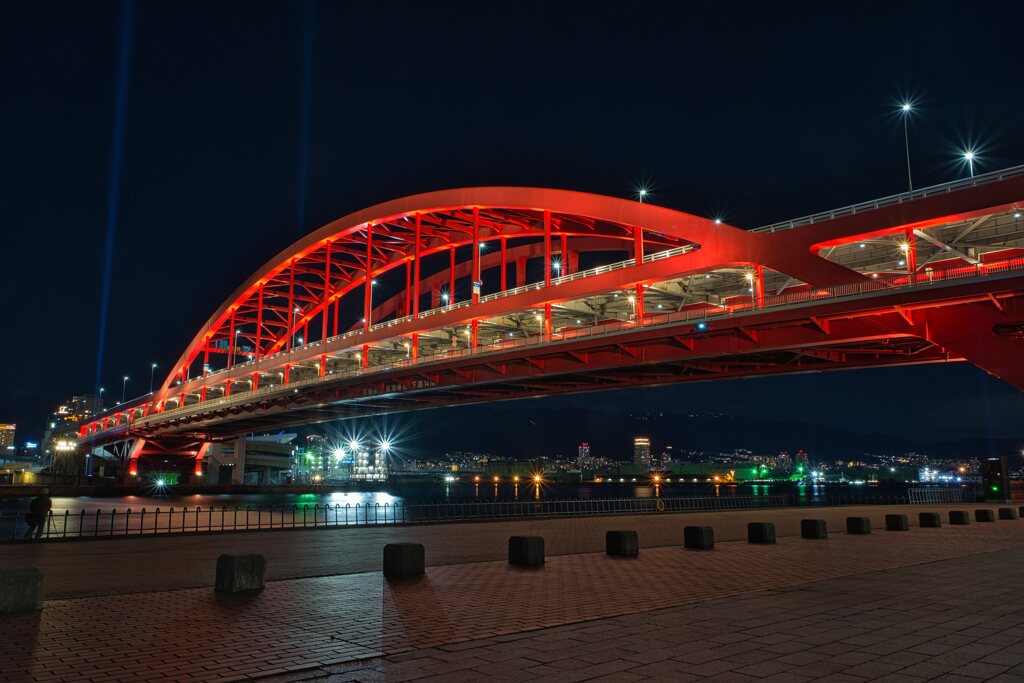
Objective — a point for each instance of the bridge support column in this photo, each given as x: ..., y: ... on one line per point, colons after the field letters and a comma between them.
x: 451, y: 275
x: 547, y: 320
x: 520, y: 271
x: 638, y: 303
x: 415, y: 346
x: 201, y: 458
x: 255, y: 381
x: 504, y: 264
x: 287, y: 373
x: 474, y: 334
x: 238, y: 471
x: 973, y: 332
x: 911, y: 255
x: 323, y: 365
x: 572, y: 262
x: 759, y: 286
x: 366, y: 356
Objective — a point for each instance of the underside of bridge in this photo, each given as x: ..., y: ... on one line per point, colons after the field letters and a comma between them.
x: 490, y: 294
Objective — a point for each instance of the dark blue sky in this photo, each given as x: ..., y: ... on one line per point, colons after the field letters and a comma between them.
x: 248, y: 124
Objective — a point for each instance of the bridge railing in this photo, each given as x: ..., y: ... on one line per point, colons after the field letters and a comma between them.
x: 149, y: 521
x: 942, y: 188
x: 705, y: 315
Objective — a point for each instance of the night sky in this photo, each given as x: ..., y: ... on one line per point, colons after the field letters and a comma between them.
x: 246, y: 125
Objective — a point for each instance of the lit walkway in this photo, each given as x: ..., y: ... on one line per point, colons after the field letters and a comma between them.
x: 859, y: 605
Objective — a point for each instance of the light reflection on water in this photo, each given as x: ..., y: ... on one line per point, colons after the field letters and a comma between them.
x: 452, y: 492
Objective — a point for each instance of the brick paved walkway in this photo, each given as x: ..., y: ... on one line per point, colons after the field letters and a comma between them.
x: 952, y: 620
x: 133, y: 565
x: 320, y: 623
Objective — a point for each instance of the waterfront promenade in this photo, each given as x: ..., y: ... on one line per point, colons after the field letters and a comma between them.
x: 909, y: 605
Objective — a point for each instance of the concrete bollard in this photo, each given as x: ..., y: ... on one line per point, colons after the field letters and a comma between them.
x: 813, y: 528
x: 1007, y: 513
x: 622, y: 543
x: 404, y: 559
x: 526, y: 551
x: 896, y: 523
x: 239, y: 573
x: 959, y: 517
x: 984, y: 515
x: 698, y: 537
x: 761, y: 532
x: 929, y: 520
x: 858, y: 525
x: 21, y: 590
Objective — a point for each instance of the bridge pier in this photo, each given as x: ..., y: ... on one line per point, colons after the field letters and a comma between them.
x: 238, y: 472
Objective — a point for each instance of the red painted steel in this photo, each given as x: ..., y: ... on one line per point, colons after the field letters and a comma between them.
x: 311, y: 279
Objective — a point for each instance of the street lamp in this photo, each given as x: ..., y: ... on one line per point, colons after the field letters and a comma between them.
x: 642, y: 193
x: 905, y: 113
x: 969, y: 158
x: 152, y: 369
x: 124, y: 387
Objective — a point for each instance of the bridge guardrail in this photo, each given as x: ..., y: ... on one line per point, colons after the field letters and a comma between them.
x: 147, y: 522
x: 942, y: 188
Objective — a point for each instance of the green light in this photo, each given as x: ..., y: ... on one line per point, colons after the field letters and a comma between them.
x: 995, y: 488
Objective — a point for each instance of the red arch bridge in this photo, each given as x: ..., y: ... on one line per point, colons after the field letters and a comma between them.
x: 484, y: 294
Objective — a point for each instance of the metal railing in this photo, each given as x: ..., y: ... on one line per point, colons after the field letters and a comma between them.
x: 185, y: 520
x: 942, y: 188
x: 930, y: 495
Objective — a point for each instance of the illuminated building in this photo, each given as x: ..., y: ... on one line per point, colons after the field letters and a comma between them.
x: 6, y: 436
x: 642, y: 451
x: 583, y: 457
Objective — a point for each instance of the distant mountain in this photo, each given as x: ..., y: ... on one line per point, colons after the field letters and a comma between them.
x: 529, y: 433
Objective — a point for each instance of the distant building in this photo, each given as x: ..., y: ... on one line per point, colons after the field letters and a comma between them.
x: 803, y: 462
x: 6, y: 436
x: 583, y: 457
x: 642, y: 451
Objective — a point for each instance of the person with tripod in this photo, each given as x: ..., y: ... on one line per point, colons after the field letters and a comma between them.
x: 38, y: 515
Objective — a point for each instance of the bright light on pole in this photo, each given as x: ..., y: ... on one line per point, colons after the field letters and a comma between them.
x: 642, y: 194
x: 152, y: 369
x: 969, y: 158
x: 124, y: 387
x: 905, y: 109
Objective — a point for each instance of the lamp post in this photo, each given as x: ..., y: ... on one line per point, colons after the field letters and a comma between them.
x: 152, y: 369
x: 969, y: 158
x: 124, y: 387
x: 642, y: 194
x: 905, y: 109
